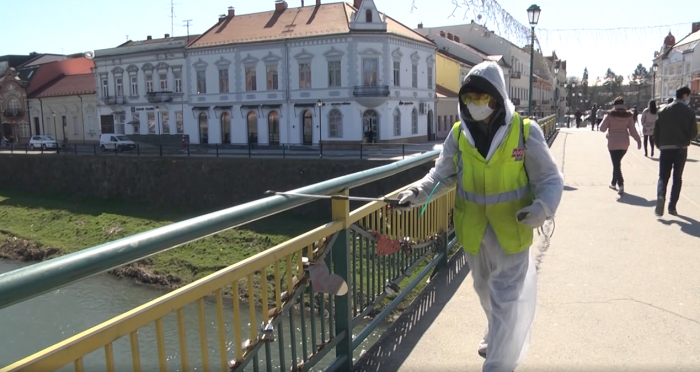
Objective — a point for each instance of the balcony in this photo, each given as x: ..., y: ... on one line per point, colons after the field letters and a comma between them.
x: 13, y: 113
x: 371, y: 96
x: 158, y: 97
x: 515, y: 75
x: 113, y: 100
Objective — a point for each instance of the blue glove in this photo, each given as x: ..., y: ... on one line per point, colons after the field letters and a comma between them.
x: 534, y: 215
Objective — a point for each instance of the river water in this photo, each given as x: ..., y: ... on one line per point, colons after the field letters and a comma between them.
x: 42, y: 321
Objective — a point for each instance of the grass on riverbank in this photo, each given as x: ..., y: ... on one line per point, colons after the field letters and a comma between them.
x: 74, y: 223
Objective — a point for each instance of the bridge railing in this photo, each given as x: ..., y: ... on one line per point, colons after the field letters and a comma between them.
x: 308, y: 303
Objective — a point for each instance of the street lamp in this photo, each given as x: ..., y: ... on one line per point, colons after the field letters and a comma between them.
x: 556, y: 90
x: 533, y: 15
x: 320, y: 125
x: 654, y: 68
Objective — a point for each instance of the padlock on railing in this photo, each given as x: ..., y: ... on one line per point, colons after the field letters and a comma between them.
x: 268, y: 332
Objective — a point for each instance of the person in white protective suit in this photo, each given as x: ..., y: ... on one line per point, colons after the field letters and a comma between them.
x: 508, y: 184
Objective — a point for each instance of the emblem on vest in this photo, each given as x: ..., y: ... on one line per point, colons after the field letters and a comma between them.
x: 518, y: 153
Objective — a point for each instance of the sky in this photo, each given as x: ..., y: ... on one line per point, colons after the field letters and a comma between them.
x: 72, y: 26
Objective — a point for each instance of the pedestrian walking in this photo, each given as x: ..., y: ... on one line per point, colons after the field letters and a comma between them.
x: 619, y: 123
x: 507, y: 185
x: 579, y: 117
x: 675, y: 127
x: 592, y: 117
x: 648, y: 121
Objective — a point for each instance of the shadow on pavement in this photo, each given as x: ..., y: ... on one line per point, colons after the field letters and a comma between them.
x: 632, y: 199
x: 690, y: 226
x: 397, y: 343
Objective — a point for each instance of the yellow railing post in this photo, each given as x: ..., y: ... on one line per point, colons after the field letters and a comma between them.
x: 340, y: 259
x: 443, y: 226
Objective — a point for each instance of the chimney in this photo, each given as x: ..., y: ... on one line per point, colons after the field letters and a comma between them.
x: 280, y: 5
x: 420, y: 25
x: 167, y: 36
x: 222, y: 17
x: 357, y: 4
x: 442, y: 33
x: 696, y: 27
x: 449, y: 36
x: 231, y: 12
x: 149, y: 37
x: 456, y: 38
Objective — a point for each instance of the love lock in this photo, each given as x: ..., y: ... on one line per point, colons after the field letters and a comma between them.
x: 406, y: 246
x: 268, y: 332
x: 392, y: 288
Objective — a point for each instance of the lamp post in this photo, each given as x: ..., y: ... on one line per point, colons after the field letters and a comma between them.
x: 556, y: 90
x: 654, y: 68
x: 533, y: 15
x: 319, y: 103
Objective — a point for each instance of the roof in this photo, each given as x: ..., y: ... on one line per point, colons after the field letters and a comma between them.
x: 41, y: 59
x: 443, y: 92
x: 69, y: 85
x: 688, y: 43
x: 455, y: 58
x: 157, y: 41
x: 49, y: 72
x: 290, y: 23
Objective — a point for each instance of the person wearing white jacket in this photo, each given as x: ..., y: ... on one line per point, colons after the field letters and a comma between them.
x: 507, y: 185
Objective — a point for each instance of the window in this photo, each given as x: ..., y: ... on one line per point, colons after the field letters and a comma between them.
x: 414, y: 121
x: 223, y: 80
x: 225, y: 128
x: 370, y: 67
x: 334, y: 74
x: 272, y: 78
x: 273, y: 125
x: 75, y: 126
x: 178, y: 81
x: 137, y: 122
x: 163, y: 78
x: 178, y: 122
x: 149, y: 83
x: 24, y: 130
x: 151, y: 122
x: 251, y: 83
x: 397, y: 74
x: 335, y: 124
x: 105, y: 88
x: 397, y: 122
x: 368, y: 16
x: 201, y: 82
x: 134, y: 86
x: 440, y: 128
x: 304, y: 75
x: 414, y: 76
x: 203, y: 128
x: 14, y: 107
x: 165, y: 122
x: 430, y: 78
x: 252, y: 127
x: 120, y: 87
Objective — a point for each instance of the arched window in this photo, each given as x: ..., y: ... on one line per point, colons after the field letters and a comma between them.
x: 225, y: 128
x: 414, y: 121
x: 273, y: 127
x: 335, y: 124
x: 370, y: 119
x: 397, y: 122
x: 307, y: 128
x: 14, y: 107
x: 368, y: 16
x: 203, y: 128
x: 252, y: 127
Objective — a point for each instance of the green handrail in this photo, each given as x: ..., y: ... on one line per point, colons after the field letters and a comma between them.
x: 25, y: 283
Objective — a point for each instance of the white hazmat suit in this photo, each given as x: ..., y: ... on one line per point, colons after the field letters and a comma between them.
x: 505, y: 283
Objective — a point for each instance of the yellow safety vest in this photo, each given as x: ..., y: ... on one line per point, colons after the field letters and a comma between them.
x: 492, y: 192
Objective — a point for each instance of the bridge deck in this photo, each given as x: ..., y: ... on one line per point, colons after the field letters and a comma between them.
x: 619, y: 288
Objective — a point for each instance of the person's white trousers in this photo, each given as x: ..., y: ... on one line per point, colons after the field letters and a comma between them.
x: 507, y: 288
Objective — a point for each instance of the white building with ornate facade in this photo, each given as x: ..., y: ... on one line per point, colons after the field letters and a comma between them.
x: 142, y: 87
x: 679, y: 64
x: 296, y: 76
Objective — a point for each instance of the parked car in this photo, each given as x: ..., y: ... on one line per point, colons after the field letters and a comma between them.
x: 116, y: 142
x: 43, y: 142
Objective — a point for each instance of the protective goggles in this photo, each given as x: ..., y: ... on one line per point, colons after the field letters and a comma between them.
x: 475, y: 98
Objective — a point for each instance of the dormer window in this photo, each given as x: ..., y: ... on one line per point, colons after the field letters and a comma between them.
x: 368, y: 16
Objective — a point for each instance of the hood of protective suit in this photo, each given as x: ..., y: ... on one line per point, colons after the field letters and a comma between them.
x: 487, y: 77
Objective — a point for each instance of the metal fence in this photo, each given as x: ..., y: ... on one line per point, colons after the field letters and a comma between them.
x: 306, y: 300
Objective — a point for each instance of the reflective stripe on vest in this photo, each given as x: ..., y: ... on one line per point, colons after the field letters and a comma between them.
x: 504, y: 197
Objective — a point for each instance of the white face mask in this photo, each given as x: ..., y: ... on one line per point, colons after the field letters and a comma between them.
x: 479, y: 112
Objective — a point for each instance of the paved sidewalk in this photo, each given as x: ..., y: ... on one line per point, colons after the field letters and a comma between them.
x: 619, y: 288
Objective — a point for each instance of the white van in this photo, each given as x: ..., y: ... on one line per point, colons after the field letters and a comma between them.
x: 117, y: 142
